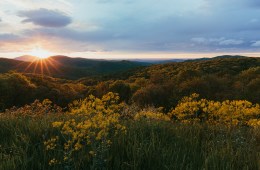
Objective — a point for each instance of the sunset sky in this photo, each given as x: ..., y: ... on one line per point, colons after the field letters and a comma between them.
x: 130, y: 28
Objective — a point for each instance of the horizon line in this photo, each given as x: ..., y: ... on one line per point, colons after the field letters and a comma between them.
x: 142, y: 56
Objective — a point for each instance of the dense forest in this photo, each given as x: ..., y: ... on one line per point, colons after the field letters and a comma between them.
x: 160, y: 85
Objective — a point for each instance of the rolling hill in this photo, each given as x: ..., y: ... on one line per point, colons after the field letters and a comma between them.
x: 157, y: 85
x: 66, y: 67
x: 28, y: 58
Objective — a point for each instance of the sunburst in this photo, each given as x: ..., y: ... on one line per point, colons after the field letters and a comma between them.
x: 40, y: 53
x: 43, y: 64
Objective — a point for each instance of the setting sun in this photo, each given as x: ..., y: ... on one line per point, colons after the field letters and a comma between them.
x: 40, y: 53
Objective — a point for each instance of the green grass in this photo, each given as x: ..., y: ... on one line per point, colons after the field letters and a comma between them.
x: 146, y: 145
x: 176, y: 146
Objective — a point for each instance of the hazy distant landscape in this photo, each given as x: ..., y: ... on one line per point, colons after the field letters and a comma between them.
x: 129, y: 85
x: 66, y: 67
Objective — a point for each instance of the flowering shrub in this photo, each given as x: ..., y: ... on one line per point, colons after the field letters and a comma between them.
x: 228, y: 112
x: 34, y: 110
x: 94, y: 122
x: 152, y: 114
x: 254, y: 122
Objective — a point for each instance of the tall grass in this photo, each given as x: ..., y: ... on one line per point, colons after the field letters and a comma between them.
x: 146, y: 145
x: 177, y: 146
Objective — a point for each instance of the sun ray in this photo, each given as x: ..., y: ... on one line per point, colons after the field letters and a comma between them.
x: 46, y: 66
x: 41, y: 67
x: 54, y: 64
x: 35, y: 66
x: 29, y: 65
x: 24, y: 63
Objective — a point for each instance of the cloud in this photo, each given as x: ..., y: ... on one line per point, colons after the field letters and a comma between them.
x: 254, y: 20
x: 45, y: 17
x: 256, y: 44
x: 128, y: 25
x: 216, y: 41
x: 199, y: 40
x: 8, y: 37
x: 231, y: 42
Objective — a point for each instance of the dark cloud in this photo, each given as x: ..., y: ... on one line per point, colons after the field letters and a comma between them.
x: 46, y: 17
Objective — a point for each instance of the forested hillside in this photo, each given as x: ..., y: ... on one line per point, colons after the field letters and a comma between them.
x: 158, y: 85
x: 165, y: 84
x: 218, y: 79
x: 68, y: 68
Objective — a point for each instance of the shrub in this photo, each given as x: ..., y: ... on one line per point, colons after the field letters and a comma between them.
x: 227, y: 112
x: 93, y: 123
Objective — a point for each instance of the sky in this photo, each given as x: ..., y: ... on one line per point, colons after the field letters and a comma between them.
x: 130, y: 28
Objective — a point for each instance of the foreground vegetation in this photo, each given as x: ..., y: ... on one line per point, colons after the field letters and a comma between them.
x: 151, y: 126
x: 104, y: 133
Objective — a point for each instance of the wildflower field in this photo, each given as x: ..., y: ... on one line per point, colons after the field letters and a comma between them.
x: 104, y: 133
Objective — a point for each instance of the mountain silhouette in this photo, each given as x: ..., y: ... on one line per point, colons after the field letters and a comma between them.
x: 66, y: 67
x: 28, y: 58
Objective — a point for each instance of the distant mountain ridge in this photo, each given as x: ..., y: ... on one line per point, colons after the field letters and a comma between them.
x: 28, y: 58
x: 219, y: 57
x: 75, y: 68
x: 66, y: 67
x: 148, y: 61
x: 231, y: 56
x: 158, y: 61
x: 177, y: 60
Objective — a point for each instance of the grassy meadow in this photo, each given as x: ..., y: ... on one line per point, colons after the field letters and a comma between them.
x: 149, y: 141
